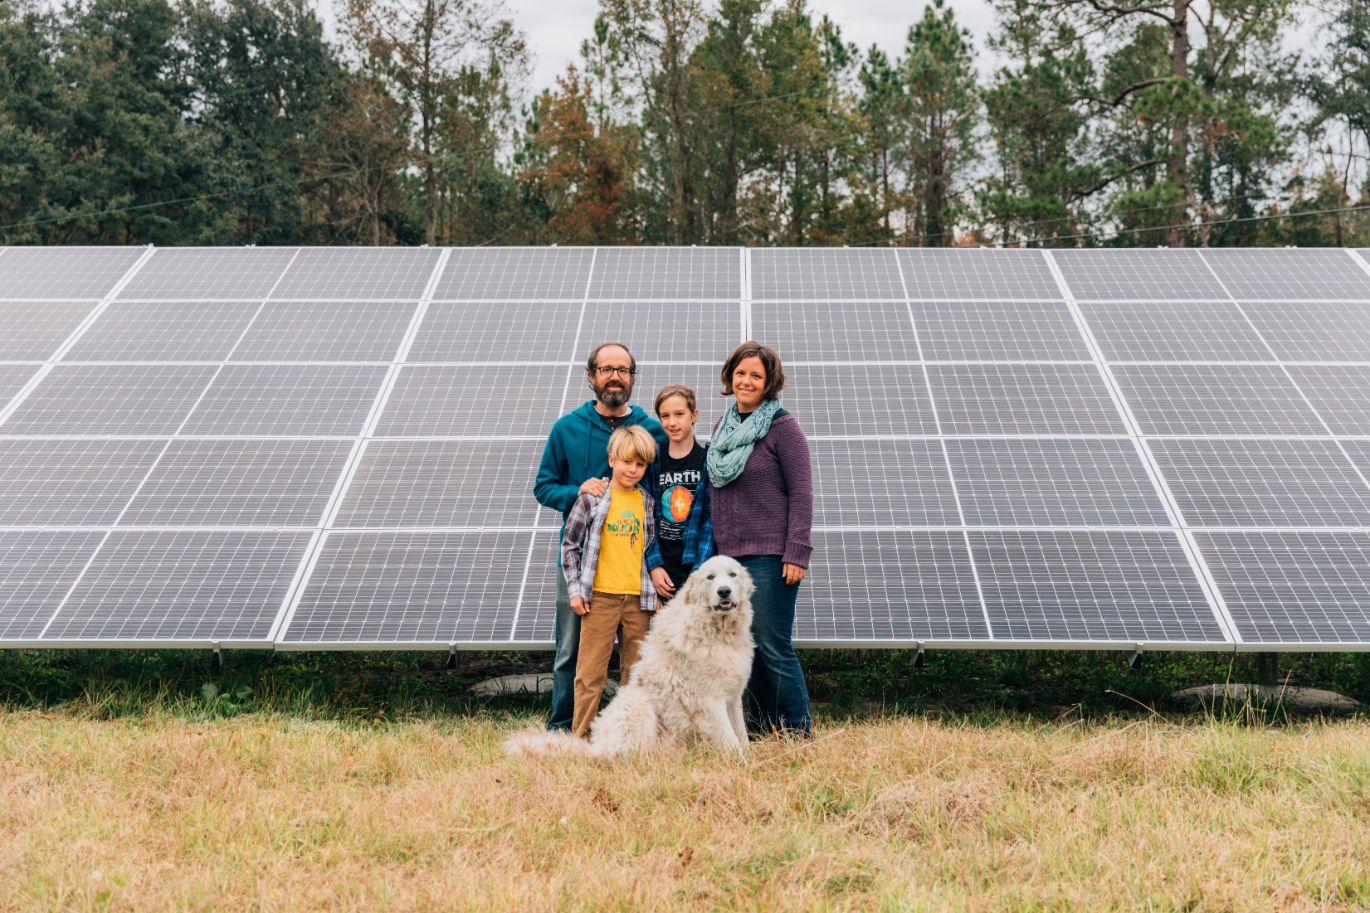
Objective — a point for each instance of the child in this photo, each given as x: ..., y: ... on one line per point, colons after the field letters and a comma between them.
x: 685, y: 537
x: 602, y: 557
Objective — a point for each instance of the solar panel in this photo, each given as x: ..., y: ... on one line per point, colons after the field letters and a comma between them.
x: 1295, y: 588
x: 998, y: 331
x: 1244, y: 483
x: 825, y: 275
x: 872, y: 586
x: 182, y: 587
x: 193, y: 273
x: 420, y: 588
x: 1215, y: 399
x: 333, y: 448
x: 515, y: 273
x: 37, y: 569
x: 932, y: 273
x: 32, y: 331
x: 239, y: 483
x: 358, y: 272
x: 164, y: 331
x: 1128, y: 587
x: 1023, y: 399
x: 29, y: 273
x: 1288, y: 274
x: 1133, y: 275
x: 1314, y: 330
x: 326, y: 331
x: 882, y: 483
x: 1058, y: 482
x: 58, y: 482
x: 853, y: 331
x: 1173, y: 331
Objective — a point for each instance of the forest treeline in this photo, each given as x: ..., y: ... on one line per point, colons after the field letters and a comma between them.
x: 1123, y: 122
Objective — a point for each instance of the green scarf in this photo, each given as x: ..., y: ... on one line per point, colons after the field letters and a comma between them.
x: 733, y: 441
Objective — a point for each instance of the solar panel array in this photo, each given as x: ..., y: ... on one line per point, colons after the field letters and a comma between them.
x: 334, y: 448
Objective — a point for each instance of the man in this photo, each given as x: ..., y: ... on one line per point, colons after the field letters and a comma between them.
x: 575, y: 461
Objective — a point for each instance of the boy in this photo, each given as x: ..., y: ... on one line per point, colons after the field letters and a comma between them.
x: 685, y: 537
x: 602, y: 558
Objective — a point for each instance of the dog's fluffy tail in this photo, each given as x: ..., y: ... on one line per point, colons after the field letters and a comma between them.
x: 544, y: 742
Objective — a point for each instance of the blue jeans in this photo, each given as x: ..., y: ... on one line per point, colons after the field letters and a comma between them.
x: 564, y: 665
x: 777, y: 698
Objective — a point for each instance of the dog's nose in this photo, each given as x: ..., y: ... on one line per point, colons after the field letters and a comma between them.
x: 725, y: 591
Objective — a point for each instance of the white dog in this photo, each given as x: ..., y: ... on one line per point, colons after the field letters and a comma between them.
x: 688, y: 680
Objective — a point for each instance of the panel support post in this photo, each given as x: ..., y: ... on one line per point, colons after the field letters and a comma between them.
x: 919, y: 660
x: 451, y: 657
x: 1134, y: 661
x: 216, y: 662
x: 1268, y: 669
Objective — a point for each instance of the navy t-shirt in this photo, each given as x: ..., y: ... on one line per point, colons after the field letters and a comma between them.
x: 677, y: 482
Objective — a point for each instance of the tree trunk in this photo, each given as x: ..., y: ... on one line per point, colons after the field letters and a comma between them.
x: 1176, y: 169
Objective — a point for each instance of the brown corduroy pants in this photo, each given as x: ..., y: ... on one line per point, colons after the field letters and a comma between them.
x: 610, y: 614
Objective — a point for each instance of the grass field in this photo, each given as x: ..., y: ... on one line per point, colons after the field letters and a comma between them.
x: 141, y: 782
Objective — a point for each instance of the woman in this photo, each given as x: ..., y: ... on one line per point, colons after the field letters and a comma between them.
x: 762, y: 513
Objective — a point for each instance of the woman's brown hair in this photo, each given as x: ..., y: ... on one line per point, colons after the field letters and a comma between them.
x: 770, y: 360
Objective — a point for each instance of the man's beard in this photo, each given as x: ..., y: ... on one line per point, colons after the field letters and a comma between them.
x: 613, y: 398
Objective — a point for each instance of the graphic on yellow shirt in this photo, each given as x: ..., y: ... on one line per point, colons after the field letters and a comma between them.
x: 619, y: 569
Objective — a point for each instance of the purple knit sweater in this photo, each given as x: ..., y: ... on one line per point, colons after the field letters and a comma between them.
x: 768, y: 510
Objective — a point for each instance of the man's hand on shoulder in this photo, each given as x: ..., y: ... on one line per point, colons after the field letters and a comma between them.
x: 594, y: 487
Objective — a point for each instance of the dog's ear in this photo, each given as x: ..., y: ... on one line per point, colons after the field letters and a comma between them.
x: 690, y: 590
x: 748, y: 585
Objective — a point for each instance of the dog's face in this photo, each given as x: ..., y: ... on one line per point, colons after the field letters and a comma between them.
x: 721, y: 584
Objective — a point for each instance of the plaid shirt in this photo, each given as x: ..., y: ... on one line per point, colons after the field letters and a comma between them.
x: 580, y: 545
x: 698, y: 532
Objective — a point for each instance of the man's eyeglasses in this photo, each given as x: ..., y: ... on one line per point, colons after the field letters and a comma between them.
x: 610, y: 372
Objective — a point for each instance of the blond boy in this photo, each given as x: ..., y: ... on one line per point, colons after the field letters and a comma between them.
x: 602, y: 558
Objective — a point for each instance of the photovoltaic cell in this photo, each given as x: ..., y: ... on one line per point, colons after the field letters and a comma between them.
x: 64, y: 272
x: 164, y: 331
x: 1340, y: 394
x: 12, y: 380
x: 516, y: 273
x: 1263, y: 483
x: 876, y: 585
x: 501, y: 400
x: 32, y: 331
x: 70, y: 483
x: 1293, y: 587
x: 1215, y: 399
x: 931, y: 273
x: 1314, y: 330
x: 358, y: 272
x: 498, y: 331
x: 859, y: 399
x: 412, y: 588
x: 286, y: 400
x: 1023, y: 399
x: 110, y: 399
x: 1173, y: 331
x: 998, y: 331
x: 1359, y: 453
x: 182, y: 586
x: 682, y: 273
x: 190, y: 273
x: 1134, y: 586
x: 536, y: 621
x: 1053, y: 483
x: 842, y: 332
x: 1095, y: 275
x: 240, y: 483
x: 665, y: 331
x: 1288, y: 274
x: 881, y: 483
x: 326, y: 331
x: 824, y: 274
x: 444, y: 484
x: 37, y: 569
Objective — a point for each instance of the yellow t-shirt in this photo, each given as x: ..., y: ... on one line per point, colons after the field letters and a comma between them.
x: 619, y: 569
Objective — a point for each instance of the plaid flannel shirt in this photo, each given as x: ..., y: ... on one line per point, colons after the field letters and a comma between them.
x: 698, y: 532
x: 580, y: 545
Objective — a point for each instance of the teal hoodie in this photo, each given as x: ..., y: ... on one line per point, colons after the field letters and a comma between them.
x: 578, y: 449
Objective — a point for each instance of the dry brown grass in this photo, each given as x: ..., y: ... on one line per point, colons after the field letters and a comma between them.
x: 280, y: 814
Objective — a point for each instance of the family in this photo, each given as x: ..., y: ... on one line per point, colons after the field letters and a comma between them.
x: 644, y: 503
